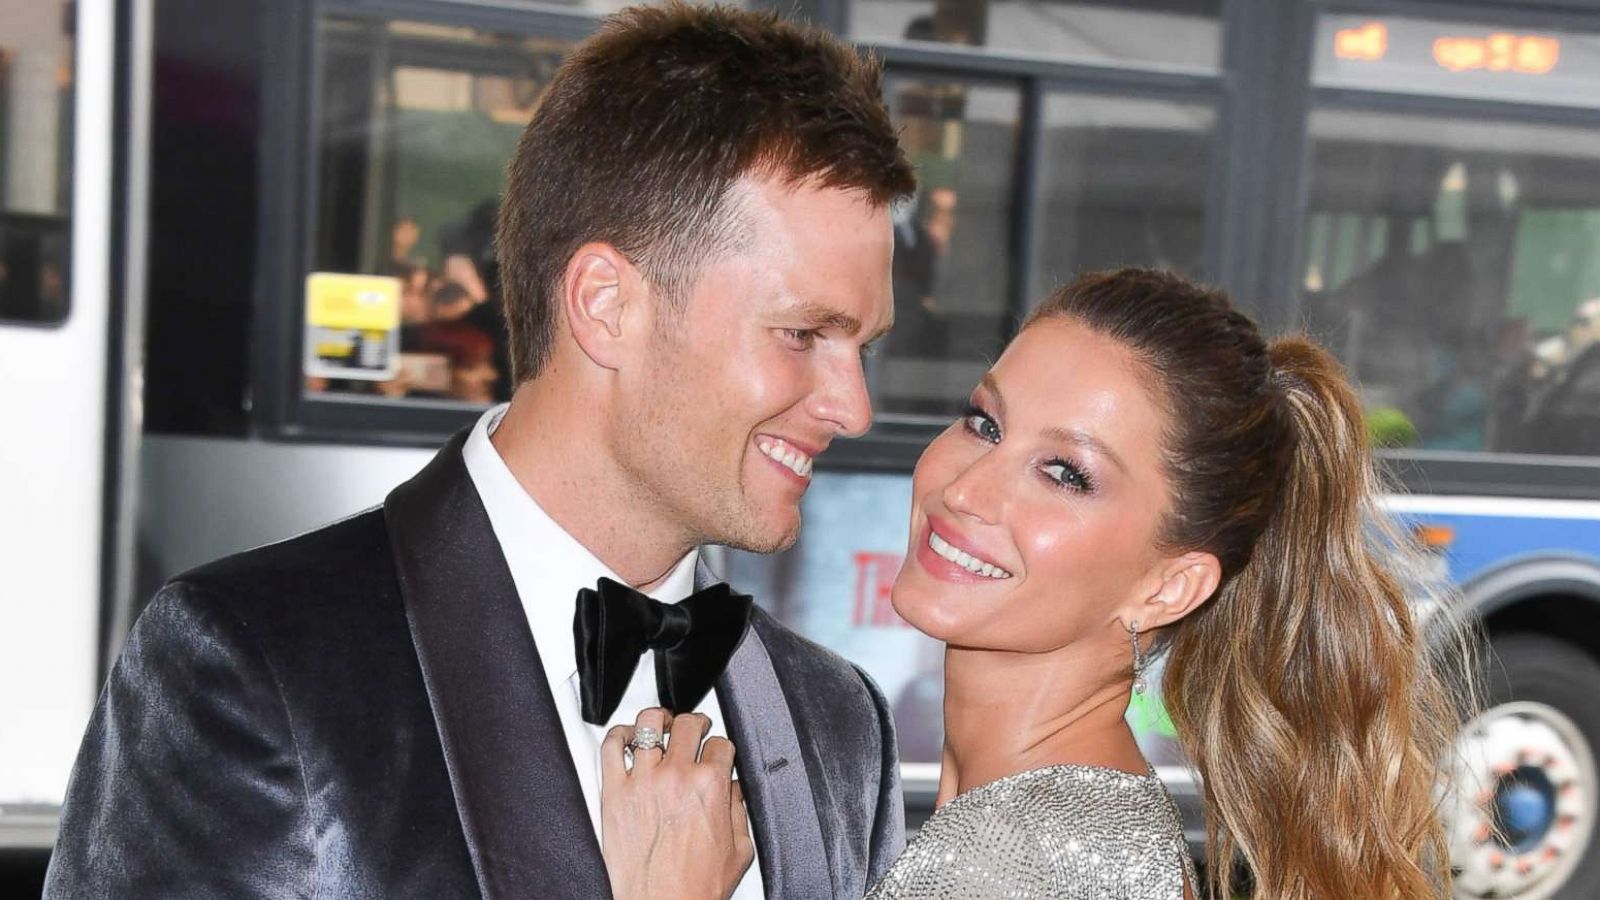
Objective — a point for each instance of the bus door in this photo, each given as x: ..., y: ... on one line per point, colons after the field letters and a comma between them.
x: 57, y: 79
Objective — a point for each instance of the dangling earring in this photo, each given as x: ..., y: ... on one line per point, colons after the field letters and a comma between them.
x: 1141, y: 660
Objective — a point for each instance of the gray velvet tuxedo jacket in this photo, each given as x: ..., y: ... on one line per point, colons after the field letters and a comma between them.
x: 360, y: 712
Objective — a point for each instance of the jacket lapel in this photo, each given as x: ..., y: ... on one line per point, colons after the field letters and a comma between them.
x: 516, y: 788
x: 772, y: 770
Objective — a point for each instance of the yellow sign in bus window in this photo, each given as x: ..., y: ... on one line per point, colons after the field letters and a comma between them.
x: 352, y: 326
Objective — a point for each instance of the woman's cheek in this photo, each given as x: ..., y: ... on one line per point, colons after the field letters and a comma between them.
x: 945, y: 457
x: 1049, y: 544
x: 923, y: 476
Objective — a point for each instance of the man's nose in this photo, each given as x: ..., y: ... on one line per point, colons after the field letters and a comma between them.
x: 842, y: 399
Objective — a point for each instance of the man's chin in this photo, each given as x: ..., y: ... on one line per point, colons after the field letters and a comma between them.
x: 765, y: 537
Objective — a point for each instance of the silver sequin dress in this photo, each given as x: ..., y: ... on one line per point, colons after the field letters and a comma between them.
x: 1060, y: 832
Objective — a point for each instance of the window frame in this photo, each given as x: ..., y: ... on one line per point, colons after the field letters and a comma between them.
x: 287, y: 235
x: 1435, y: 471
x: 1256, y: 198
x: 288, y: 221
x: 896, y: 440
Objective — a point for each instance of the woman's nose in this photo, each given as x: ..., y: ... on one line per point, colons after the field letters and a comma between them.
x: 976, y: 493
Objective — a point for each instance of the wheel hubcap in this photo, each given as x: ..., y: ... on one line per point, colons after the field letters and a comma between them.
x: 1524, y: 808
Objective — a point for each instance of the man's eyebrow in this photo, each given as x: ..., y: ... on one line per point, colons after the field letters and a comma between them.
x: 819, y: 316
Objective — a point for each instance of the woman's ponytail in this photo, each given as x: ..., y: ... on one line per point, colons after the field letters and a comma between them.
x: 1305, y: 692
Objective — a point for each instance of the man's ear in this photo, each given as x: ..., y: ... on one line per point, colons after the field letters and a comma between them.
x: 601, y: 293
x: 1180, y: 585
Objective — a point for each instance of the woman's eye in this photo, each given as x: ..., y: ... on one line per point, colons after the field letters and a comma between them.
x: 1068, y: 475
x: 979, y: 424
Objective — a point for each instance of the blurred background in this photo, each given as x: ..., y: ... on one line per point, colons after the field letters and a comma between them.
x: 247, y: 285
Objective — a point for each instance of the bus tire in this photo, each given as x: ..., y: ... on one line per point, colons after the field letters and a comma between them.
x: 1531, y: 756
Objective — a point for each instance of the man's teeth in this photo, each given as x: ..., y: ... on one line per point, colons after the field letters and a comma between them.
x: 798, y: 462
x: 965, y: 560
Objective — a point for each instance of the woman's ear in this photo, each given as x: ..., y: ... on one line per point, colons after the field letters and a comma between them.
x: 597, y: 289
x: 1181, y: 585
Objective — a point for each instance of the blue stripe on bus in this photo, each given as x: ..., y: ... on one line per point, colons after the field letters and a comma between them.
x: 1485, y: 542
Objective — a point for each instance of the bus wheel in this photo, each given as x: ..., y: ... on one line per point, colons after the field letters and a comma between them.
x: 1522, y: 825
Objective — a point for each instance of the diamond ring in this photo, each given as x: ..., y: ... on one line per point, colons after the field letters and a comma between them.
x: 645, y: 738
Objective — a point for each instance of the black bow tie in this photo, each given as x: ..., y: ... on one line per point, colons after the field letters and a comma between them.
x: 693, y: 641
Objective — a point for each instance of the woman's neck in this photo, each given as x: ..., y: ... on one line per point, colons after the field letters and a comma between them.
x: 1007, y: 712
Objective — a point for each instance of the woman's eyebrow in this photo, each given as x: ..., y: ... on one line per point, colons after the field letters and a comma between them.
x: 1084, y: 439
x: 991, y: 387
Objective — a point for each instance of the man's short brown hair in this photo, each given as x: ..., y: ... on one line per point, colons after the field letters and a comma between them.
x: 649, y: 123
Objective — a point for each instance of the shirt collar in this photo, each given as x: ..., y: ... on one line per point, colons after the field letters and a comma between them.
x: 548, y: 565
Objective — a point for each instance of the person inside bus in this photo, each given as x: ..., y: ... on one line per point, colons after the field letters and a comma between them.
x: 922, y: 244
x: 471, y: 356
x: 468, y: 246
x: 404, y: 235
x: 693, y: 264
x: 1141, y: 471
x: 416, y: 301
x: 451, y: 302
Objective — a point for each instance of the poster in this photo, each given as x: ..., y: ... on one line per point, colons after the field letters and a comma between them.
x: 352, y: 326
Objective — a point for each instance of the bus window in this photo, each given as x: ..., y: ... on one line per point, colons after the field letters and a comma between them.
x: 953, y: 266
x: 417, y: 122
x: 1122, y: 181
x: 1454, y: 263
x: 35, y: 160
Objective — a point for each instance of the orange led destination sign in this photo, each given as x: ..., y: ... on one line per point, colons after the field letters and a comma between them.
x: 1368, y: 43
x: 1527, y: 54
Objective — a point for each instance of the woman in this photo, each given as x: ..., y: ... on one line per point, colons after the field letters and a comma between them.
x: 1142, y: 472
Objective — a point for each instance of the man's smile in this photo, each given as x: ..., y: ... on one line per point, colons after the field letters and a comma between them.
x: 797, y: 461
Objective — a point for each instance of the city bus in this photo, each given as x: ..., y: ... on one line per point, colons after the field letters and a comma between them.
x: 1412, y: 183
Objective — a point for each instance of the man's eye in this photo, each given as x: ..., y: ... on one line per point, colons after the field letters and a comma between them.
x: 799, y: 338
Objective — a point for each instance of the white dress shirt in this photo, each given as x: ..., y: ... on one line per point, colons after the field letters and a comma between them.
x: 549, y: 567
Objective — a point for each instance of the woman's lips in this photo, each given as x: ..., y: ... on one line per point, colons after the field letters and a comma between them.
x: 948, y: 561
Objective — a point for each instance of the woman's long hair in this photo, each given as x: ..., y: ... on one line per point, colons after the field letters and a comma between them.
x: 1319, y: 710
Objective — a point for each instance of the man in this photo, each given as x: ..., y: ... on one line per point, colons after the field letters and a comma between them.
x: 695, y: 249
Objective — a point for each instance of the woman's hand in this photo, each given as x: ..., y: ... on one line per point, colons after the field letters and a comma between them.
x: 675, y: 826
